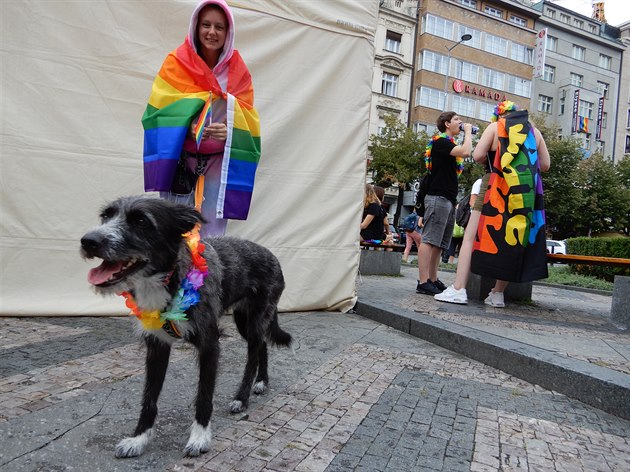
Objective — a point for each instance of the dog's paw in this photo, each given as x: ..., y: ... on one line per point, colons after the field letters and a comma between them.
x: 199, y: 440
x: 260, y: 387
x: 134, y: 446
x: 236, y: 406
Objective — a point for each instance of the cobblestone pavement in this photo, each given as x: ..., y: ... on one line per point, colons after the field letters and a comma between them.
x: 571, y: 323
x: 353, y: 395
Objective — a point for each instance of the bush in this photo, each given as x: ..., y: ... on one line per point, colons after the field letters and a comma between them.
x: 603, y: 247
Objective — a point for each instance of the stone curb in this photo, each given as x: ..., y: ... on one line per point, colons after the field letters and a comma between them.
x: 603, y: 388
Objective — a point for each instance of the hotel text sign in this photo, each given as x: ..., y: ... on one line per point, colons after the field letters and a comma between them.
x: 461, y: 87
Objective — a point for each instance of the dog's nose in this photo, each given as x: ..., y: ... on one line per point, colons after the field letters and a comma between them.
x: 91, y: 243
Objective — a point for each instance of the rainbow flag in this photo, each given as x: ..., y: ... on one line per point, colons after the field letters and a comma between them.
x: 510, y: 242
x: 204, y: 117
x: 183, y: 86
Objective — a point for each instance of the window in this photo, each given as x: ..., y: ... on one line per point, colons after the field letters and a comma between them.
x: 485, y: 111
x: 545, y: 104
x: 389, y: 84
x: 578, y: 23
x: 579, y: 52
x: 493, y: 78
x: 604, y: 119
x: 586, y: 140
x: 464, y: 106
x: 628, y: 120
x: 585, y: 109
x: 602, y: 88
x: 467, y: 71
x: 493, y: 11
x: 431, y: 98
x: 605, y: 61
x: 439, y: 27
x: 392, y: 42
x: 593, y: 29
x: 627, y: 148
x: 565, y: 18
x: 469, y: 3
x: 521, y: 53
x: 475, y: 42
x: 435, y: 62
x: 549, y: 74
x: 551, y: 13
x: 576, y: 79
x: 519, y: 86
x: 419, y: 127
x: 562, y: 101
x: 496, y: 45
x: 517, y: 20
x: 552, y: 43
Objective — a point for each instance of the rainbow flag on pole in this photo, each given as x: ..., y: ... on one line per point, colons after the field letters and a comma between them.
x: 205, y: 117
x: 183, y: 87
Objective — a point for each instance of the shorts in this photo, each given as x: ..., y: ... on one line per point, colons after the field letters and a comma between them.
x: 482, y: 192
x: 439, y: 220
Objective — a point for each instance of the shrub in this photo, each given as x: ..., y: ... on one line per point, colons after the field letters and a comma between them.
x: 603, y: 247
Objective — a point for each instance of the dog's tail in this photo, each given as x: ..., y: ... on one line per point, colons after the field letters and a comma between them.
x: 277, y: 335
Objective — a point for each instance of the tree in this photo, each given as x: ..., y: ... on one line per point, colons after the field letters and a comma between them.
x: 606, y: 199
x: 396, y: 157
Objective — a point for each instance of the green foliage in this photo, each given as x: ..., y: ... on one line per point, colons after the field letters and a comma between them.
x: 603, y: 247
x: 397, y: 154
x: 605, y: 199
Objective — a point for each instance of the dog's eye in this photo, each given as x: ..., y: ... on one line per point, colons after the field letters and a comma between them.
x: 139, y: 219
x: 107, y: 214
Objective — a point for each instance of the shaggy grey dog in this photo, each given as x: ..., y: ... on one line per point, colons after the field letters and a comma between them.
x: 144, y: 253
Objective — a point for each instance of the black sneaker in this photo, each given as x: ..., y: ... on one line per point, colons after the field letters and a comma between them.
x: 439, y: 285
x: 427, y: 288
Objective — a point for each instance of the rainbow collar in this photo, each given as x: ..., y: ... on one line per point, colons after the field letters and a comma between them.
x: 428, y: 161
x: 186, y: 296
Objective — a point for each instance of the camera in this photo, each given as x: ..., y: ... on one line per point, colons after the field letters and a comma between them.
x: 474, y: 130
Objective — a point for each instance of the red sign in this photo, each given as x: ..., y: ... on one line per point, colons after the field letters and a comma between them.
x: 459, y: 87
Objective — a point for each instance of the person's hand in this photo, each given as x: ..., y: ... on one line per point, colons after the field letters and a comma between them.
x: 467, y: 128
x: 216, y: 131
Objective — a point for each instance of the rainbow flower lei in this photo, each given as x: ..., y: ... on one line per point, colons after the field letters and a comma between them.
x: 187, y: 295
x: 501, y: 108
x: 459, y: 161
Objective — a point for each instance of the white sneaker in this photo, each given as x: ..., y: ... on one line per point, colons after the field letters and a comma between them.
x: 452, y: 295
x: 495, y: 299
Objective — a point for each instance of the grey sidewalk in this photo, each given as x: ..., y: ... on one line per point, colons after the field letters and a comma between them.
x: 354, y: 395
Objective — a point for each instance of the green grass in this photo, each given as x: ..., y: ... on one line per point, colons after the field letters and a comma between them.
x: 562, y: 275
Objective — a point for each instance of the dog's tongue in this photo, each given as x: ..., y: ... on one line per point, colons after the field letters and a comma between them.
x: 104, y: 272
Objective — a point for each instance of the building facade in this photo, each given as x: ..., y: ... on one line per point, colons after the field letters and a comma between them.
x: 579, y: 90
x: 393, y: 61
x: 470, y: 54
x: 622, y: 140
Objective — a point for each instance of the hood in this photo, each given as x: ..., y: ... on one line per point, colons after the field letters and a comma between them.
x: 228, y: 47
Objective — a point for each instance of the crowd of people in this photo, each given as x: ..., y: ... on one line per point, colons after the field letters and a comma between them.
x: 503, y: 238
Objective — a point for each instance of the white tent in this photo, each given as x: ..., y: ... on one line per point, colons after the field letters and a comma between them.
x: 75, y: 79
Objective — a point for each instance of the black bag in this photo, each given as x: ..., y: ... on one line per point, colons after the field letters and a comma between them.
x: 462, y: 211
x: 185, y: 179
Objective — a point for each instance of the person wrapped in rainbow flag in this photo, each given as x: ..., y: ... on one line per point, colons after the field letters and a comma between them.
x: 200, y: 123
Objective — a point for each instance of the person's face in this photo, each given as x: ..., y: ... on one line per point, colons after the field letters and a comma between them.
x: 212, y: 28
x: 453, y: 125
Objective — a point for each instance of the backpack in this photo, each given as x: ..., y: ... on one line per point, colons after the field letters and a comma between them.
x: 409, y: 222
x: 462, y: 211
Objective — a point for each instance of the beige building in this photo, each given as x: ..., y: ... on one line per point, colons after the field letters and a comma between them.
x: 470, y: 54
x: 393, y: 61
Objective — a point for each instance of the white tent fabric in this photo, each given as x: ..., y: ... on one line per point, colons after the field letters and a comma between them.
x: 75, y: 79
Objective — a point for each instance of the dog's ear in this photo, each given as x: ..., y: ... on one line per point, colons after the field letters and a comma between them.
x: 186, y: 218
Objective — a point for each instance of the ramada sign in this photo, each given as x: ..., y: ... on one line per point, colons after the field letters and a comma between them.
x: 459, y: 87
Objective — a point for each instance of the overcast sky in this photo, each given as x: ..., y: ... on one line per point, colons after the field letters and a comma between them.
x: 616, y: 11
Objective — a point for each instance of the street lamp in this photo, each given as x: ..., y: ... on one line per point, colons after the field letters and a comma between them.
x: 465, y: 37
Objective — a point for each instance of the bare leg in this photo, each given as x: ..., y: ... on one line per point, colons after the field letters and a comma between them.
x: 500, y: 286
x: 425, y: 252
x: 465, y: 252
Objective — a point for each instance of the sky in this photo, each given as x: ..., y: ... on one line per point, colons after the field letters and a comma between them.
x: 616, y: 11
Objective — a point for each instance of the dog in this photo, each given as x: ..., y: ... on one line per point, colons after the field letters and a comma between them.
x: 145, y: 254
